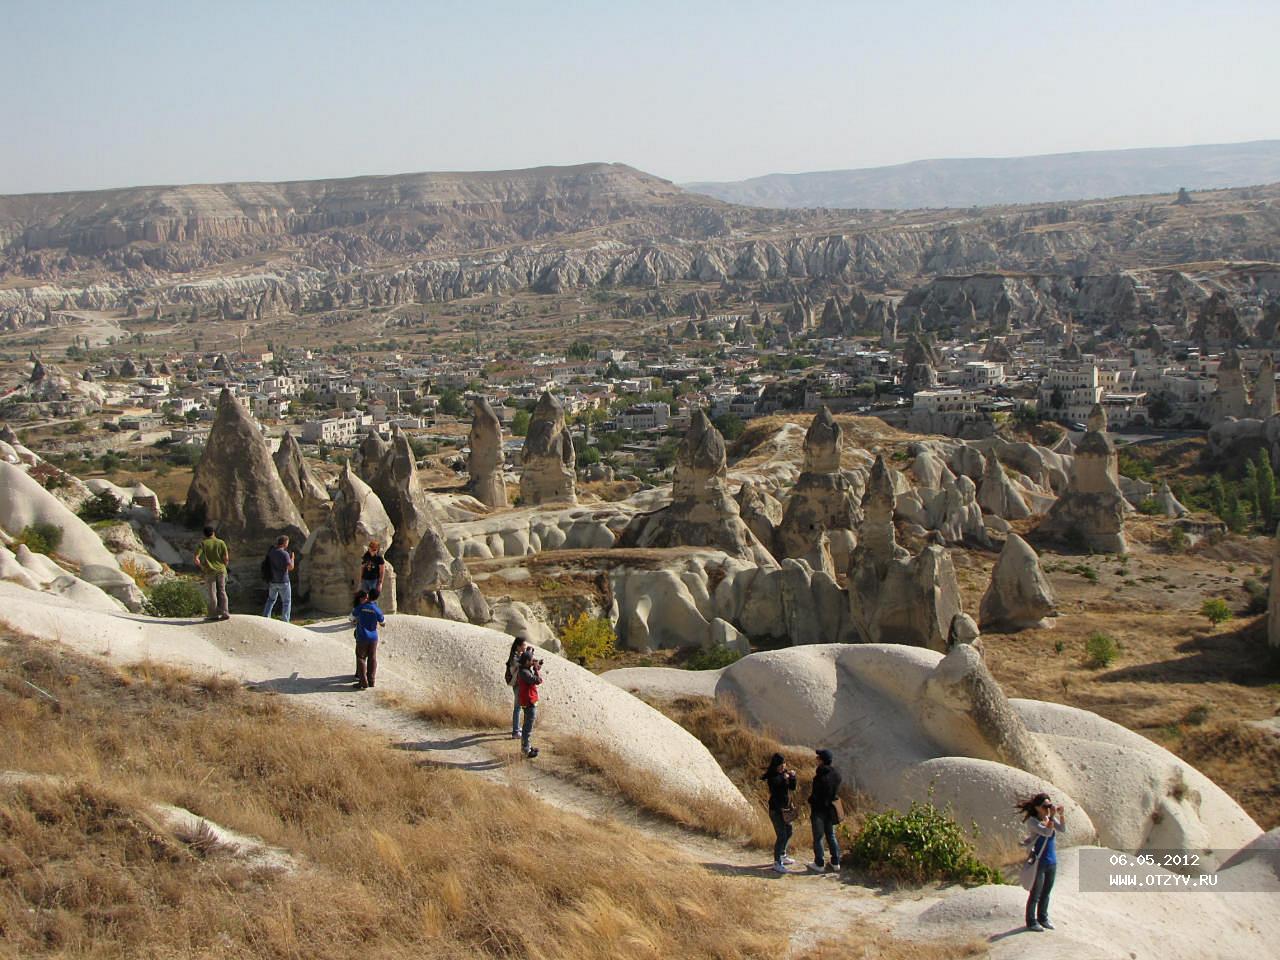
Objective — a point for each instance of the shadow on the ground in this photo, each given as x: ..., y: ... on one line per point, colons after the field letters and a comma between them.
x: 343, y: 683
x: 457, y: 743
x: 1011, y: 932
x: 1240, y: 656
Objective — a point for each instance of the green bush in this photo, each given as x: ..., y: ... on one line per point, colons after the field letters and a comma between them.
x: 1100, y: 651
x: 1216, y: 610
x: 1196, y: 715
x: 587, y: 639
x: 1259, y: 594
x: 712, y: 658
x: 41, y: 537
x: 1150, y: 507
x: 103, y: 506
x: 1178, y: 540
x: 176, y: 598
x: 920, y: 846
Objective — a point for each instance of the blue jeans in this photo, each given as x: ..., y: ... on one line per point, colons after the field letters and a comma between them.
x: 782, y: 833
x: 369, y: 586
x: 515, y: 713
x: 824, y: 826
x: 285, y: 592
x: 530, y: 714
x: 1038, y: 899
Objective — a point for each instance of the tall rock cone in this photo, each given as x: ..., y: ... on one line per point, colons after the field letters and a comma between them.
x: 390, y: 470
x: 485, y: 461
x: 548, y: 459
x: 1019, y: 596
x: 1090, y: 513
x: 331, y: 557
x: 236, y: 487
x: 307, y: 493
x: 702, y: 513
x: 822, y: 501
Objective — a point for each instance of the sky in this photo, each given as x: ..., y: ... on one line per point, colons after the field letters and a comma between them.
x: 122, y: 93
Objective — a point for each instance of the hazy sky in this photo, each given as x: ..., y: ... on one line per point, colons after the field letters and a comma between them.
x: 118, y: 93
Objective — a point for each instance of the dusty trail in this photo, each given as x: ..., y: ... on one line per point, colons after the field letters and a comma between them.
x: 818, y: 905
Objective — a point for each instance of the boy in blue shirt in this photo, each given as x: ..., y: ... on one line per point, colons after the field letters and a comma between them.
x: 367, y: 618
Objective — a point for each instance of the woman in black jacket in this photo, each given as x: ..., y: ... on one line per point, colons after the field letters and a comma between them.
x: 822, y: 811
x: 782, y: 783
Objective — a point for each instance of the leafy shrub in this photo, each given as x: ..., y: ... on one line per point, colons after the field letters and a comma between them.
x: 1149, y: 507
x: 41, y: 537
x: 1178, y: 540
x: 103, y: 506
x: 712, y: 658
x: 1100, y: 650
x: 1216, y: 610
x: 176, y: 598
x: 1196, y: 715
x: 920, y: 846
x: 1059, y: 646
x: 1259, y: 595
x: 588, y: 638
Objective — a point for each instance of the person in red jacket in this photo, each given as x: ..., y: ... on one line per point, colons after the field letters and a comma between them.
x: 527, y: 682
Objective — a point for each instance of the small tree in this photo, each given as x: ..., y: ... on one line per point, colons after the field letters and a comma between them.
x: 1216, y: 611
x: 1100, y: 651
x: 520, y: 423
x: 103, y: 506
x: 41, y: 537
x: 587, y: 639
x: 1264, y: 492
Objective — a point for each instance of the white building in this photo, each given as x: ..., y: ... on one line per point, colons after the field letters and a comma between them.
x: 644, y: 416
x: 334, y: 431
x: 1069, y: 393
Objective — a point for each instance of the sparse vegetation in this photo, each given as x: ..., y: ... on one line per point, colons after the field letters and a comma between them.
x: 181, y: 597
x: 1100, y: 650
x: 1216, y: 611
x: 102, y: 506
x: 712, y: 658
x: 587, y: 638
x: 397, y: 864
x: 923, y: 845
x: 40, y: 537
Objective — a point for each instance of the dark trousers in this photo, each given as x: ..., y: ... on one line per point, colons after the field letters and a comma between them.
x: 1038, y: 899
x: 366, y: 662
x: 782, y: 832
x: 530, y: 714
x: 824, y: 826
x: 515, y: 714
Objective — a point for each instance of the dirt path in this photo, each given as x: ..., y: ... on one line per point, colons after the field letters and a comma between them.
x: 818, y: 906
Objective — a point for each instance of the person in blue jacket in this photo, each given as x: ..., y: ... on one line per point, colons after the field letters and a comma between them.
x: 1045, y: 820
x: 368, y: 618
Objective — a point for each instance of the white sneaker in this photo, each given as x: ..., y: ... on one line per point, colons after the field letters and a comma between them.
x: 788, y: 860
x: 779, y: 868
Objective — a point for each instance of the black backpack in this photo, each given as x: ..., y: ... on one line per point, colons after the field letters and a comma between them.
x: 266, y: 568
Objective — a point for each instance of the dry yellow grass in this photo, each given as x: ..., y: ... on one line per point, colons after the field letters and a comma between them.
x: 593, y: 764
x: 399, y: 859
x: 743, y: 751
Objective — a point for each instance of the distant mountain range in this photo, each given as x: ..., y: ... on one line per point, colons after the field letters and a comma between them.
x: 996, y: 180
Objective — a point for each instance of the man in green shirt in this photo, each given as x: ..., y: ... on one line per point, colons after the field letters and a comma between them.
x: 212, y: 557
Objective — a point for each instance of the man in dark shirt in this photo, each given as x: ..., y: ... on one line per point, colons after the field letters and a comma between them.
x: 372, y: 569
x: 281, y: 561
x: 822, y: 816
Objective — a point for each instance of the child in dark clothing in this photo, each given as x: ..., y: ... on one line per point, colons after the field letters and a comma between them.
x: 368, y: 617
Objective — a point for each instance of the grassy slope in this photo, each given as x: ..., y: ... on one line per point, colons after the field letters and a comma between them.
x: 399, y: 859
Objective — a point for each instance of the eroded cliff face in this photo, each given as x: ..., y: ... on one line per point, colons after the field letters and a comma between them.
x: 419, y: 238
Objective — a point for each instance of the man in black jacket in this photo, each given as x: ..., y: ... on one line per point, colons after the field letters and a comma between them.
x: 822, y: 816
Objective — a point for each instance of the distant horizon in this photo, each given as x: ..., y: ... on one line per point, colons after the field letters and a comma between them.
x: 722, y: 90
x: 678, y: 183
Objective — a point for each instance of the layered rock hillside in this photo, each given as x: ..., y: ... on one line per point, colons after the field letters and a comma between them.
x: 429, y: 237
